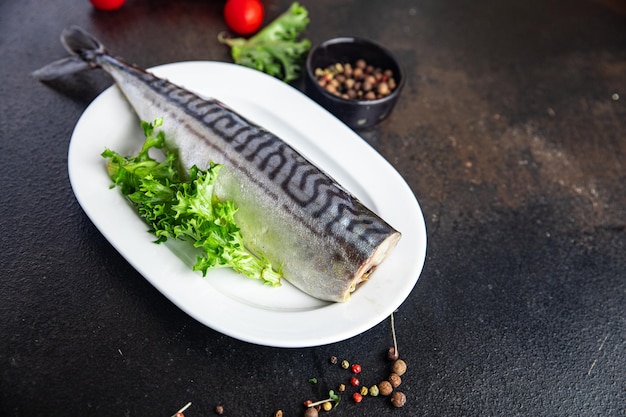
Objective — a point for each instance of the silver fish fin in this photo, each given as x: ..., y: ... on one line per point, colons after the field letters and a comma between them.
x: 78, y: 42
x: 57, y: 69
x: 83, y: 48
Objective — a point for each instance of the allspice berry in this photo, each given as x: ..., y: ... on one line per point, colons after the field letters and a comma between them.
x: 392, y: 353
x: 385, y: 388
x: 311, y: 412
x: 395, y: 380
x: 398, y: 367
x: 398, y: 399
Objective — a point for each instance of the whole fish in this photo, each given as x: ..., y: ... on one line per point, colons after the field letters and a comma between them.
x: 291, y: 212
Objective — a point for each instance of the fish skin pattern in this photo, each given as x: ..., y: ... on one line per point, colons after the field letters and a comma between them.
x: 323, y: 238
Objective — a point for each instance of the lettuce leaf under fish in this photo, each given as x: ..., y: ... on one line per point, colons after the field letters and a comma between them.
x: 184, y: 207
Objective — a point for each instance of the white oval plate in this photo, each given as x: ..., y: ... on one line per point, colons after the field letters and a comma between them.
x: 223, y: 300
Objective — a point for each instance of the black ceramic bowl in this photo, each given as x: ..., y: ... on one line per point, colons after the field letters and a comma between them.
x: 353, y: 112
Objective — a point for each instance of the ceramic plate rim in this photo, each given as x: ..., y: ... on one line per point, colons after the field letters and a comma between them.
x: 313, y: 131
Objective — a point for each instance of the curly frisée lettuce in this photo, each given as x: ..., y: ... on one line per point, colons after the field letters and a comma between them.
x: 275, y: 49
x: 184, y: 207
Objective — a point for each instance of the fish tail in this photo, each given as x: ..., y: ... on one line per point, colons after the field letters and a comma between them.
x: 84, y: 50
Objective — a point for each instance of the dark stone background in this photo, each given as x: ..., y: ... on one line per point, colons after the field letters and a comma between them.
x: 511, y: 131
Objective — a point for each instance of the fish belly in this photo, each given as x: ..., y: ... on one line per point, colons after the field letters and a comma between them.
x: 324, y: 240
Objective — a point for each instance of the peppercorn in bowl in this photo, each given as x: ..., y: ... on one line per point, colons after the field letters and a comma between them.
x: 356, y: 79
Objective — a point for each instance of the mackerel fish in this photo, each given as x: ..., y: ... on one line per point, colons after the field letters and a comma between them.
x: 289, y: 210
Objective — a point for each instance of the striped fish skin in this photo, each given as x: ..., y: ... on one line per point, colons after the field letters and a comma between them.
x: 326, y: 240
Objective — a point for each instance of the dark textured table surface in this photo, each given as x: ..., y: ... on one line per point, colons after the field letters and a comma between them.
x: 511, y: 131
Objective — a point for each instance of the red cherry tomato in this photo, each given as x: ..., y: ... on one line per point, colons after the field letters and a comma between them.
x: 107, y: 5
x: 244, y: 16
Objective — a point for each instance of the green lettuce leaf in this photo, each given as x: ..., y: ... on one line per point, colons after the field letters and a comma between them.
x: 275, y: 49
x: 184, y: 207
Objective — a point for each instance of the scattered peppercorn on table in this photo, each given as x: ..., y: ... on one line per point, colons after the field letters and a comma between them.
x: 510, y: 133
